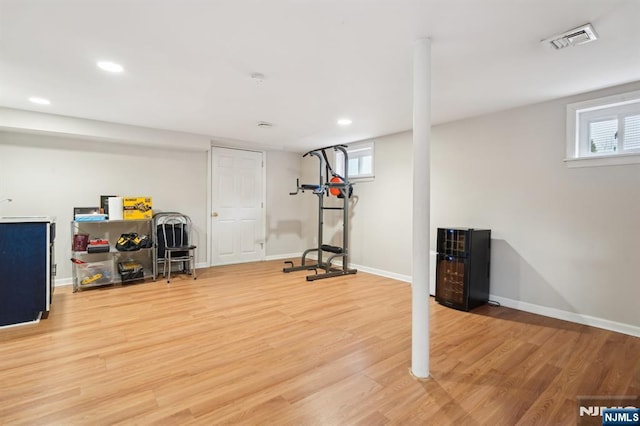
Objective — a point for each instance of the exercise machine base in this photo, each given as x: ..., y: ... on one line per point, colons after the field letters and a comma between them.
x: 330, y: 272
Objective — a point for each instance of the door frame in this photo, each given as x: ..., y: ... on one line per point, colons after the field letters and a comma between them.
x: 263, y: 230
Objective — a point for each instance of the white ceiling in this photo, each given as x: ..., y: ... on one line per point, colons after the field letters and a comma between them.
x: 188, y: 62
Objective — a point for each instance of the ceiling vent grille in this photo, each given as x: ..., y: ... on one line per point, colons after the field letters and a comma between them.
x: 574, y: 37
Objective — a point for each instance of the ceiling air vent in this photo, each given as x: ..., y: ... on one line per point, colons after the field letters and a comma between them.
x: 581, y: 35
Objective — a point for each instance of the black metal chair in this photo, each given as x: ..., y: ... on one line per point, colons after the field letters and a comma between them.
x: 173, y: 244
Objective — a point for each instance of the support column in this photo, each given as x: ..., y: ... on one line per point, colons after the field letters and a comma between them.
x: 421, y: 207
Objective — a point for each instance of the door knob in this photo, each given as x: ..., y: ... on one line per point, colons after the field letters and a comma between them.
x: 214, y: 214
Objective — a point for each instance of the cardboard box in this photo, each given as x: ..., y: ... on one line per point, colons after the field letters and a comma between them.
x: 136, y: 208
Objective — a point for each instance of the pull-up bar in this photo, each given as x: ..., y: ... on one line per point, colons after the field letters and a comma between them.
x: 334, y: 185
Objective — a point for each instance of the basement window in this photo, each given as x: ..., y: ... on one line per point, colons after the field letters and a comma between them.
x: 361, y: 161
x: 605, y: 131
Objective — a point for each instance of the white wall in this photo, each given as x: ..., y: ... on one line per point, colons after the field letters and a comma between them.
x: 562, y: 238
x: 70, y: 161
x: 49, y: 175
x: 565, y: 241
x: 14, y: 120
x: 284, y: 225
x: 380, y: 210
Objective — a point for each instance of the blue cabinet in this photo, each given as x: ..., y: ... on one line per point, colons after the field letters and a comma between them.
x: 26, y: 268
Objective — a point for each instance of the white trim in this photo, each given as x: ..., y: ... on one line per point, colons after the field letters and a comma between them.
x: 283, y: 256
x: 574, y: 155
x: 382, y: 273
x: 263, y: 232
x: 264, y: 206
x: 609, y: 160
x: 572, y: 148
x: 35, y: 321
x: 209, y: 242
x: 529, y: 307
x: 568, y: 316
x: 235, y: 262
x: 61, y: 282
x: 48, y: 265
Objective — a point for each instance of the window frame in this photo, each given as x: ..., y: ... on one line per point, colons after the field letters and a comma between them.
x: 353, y: 148
x: 581, y: 114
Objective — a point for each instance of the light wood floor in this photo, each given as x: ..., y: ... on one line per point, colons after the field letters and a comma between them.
x: 247, y: 344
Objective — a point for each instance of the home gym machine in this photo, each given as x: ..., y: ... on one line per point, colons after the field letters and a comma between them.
x: 330, y: 183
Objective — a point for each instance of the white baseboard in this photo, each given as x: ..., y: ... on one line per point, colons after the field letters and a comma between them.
x: 568, y: 316
x: 283, y: 256
x: 338, y: 263
x: 527, y: 307
x: 509, y: 303
x: 60, y: 282
x: 382, y: 273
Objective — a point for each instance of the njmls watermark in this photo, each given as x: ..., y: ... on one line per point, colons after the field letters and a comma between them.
x: 609, y: 410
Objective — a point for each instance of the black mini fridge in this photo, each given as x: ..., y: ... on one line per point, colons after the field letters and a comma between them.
x: 462, y: 268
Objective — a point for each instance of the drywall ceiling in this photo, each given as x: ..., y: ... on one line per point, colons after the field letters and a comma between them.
x: 188, y: 63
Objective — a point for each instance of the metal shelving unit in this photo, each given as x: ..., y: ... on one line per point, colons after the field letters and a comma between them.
x: 100, y: 269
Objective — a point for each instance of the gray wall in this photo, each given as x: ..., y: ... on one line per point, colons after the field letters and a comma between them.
x: 564, y: 239
x: 284, y: 224
x: 380, y: 219
x: 49, y: 175
x: 380, y: 210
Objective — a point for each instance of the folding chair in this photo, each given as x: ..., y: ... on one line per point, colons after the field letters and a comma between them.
x: 173, y: 244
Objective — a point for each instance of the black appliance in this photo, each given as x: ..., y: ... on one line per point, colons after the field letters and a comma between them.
x: 462, y: 271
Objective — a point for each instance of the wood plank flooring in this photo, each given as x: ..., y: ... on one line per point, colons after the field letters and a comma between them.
x: 248, y: 344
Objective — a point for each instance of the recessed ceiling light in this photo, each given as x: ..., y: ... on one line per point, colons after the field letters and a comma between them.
x: 39, y: 101
x: 110, y: 66
x: 344, y: 122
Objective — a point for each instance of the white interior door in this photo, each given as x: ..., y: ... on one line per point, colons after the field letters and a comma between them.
x: 237, y: 201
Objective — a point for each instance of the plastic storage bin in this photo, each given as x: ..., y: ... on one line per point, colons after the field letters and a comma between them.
x: 95, y: 273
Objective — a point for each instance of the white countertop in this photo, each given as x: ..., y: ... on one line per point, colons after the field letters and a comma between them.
x: 22, y: 219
